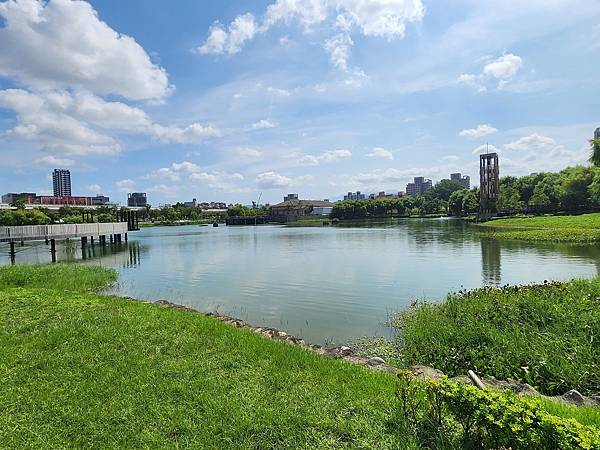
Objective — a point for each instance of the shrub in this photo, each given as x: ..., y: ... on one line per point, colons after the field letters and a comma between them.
x: 486, y: 418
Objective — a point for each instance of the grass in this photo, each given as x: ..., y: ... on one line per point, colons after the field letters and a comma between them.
x: 84, y: 370
x: 544, y: 335
x: 584, y: 228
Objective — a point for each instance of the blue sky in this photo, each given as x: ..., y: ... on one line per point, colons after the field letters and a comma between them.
x: 225, y: 100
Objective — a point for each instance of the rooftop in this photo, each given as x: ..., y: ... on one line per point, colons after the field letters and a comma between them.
x: 295, y: 203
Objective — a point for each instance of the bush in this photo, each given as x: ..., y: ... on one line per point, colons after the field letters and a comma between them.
x: 456, y: 414
x: 544, y: 335
x: 23, y: 217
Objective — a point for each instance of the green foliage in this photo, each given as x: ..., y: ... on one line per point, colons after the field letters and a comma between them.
x: 445, y: 414
x: 544, y: 335
x: 19, y: 204
x: 241, y: 210
x: 595, y: 152
x: 443, y: 189
x: 23, y: 217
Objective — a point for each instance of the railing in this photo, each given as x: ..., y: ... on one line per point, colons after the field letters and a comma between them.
x: 60, y: 231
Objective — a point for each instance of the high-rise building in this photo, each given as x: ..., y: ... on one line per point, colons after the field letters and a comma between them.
x: 354, y: 196
x: 418, y: 187
x: 597, y: 133
x: 465, y: 181
x: 137, y: 200
x: 61, y: 182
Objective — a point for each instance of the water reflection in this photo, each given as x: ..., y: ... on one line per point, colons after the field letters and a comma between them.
x: 322, y: 284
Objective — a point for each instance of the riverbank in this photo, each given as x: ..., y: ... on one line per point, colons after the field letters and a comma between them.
x: 583, y: 229
x: 80, y: 370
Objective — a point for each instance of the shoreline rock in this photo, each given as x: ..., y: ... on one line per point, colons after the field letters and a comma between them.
x: 376, y: 363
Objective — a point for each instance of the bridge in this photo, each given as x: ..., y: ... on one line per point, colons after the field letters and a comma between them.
x: 126, y: 221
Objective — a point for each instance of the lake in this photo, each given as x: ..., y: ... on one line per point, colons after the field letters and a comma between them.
x: 326, y: 285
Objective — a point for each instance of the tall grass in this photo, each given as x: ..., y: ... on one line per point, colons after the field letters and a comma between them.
x: 69, y: 277
x: 546, y: 335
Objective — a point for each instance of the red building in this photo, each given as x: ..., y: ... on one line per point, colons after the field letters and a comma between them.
x: 64, y: 200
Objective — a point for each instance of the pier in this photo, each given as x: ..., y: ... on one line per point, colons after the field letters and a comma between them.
x: 50, y: 233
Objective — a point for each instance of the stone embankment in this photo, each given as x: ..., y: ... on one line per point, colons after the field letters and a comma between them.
x: 376, y: 363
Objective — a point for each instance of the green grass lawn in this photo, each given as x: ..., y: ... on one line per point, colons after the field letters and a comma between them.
x: 584, y: 228
x: 82, y: 370
x: 79, y: 369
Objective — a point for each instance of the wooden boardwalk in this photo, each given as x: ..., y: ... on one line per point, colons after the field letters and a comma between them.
x: 60, y: 231
x: 50, y: 233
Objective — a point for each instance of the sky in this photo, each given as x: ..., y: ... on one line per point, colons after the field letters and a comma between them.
x: 228, y: 101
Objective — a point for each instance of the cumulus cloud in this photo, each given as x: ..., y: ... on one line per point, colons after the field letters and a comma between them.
x: 277, y: 92
x: 221, y: 181
x: 242, y: 29
x: 339, y: 48
x: 501, y: 71
x: 77, y: 123
x: 63, y: 43
x: 126, y: 185
x: 263, y: 123
x: 381, y: 153
x: 534, y: 141
x: 330, y: 156
x: 381, y: 18
x: 479, y: 132
x: 274, y: 180
x: 94, y: 188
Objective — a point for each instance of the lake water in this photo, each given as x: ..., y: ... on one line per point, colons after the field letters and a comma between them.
x: 323, y: 284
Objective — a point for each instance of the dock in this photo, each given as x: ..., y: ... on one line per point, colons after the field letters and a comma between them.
x: 50, y: 233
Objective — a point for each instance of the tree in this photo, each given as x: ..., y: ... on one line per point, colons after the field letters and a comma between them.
x: 443, y: 189
x: 455, y: 202
x: 18, y: 203
x: 595, y: 151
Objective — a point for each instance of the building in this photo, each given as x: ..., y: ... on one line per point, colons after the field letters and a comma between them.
x: 354, y: 196
x: 64, y: 200
x: 100, y: 200
x: 418, y: 187
x: 295, y: 209
x: 192, y: 204
x: 290, y: 197
x: 597, y: 133
x: 489, y: 184
x: 382, y: 195
x: 137, y: 200
x: 465, y: 181
x: 27, y: 197
x: 61, y: 182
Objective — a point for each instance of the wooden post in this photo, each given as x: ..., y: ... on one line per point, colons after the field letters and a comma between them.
x: 47, y: 241
x: 83, y: 241
x: 22, y: 243
x: 103, y: 240
x: 13, y: 254
x: 125, y: 237
x: 53, y: 250
x: 111, y: 238
x: 92, y: 240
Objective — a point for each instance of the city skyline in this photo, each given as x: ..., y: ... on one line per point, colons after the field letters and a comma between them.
x: 223, y: 102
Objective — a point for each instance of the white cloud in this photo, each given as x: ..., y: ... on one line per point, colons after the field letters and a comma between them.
x: 188, y: 135
x: 274, y: 180
x: 163, y: 189
x: 63, y: 43
x: 330, y: 156
x: 263, y: 123
x: 381, y: 18
x: 339, y: 48
x: 278, y: 92
x: 479, y: 132
x: 504, y: 67
x: 450, y: 158
x: 126, y: 185
x: 164, y: 173
x: 94, y: 188
x: 381, y: 153
x: 249, y: 153
x: 501, y: 70
x: 532, y: 142
x: 218, y: 180
x: 185, y: 166
x: 54, y: 161
x: 242, y: 29
x: 69, y: 123
x: 486, y: 148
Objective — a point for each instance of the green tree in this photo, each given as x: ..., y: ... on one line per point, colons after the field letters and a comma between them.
x: 18, y: 203
x: 455, y: 202
x: 595, y: 151
x: 443, y: 189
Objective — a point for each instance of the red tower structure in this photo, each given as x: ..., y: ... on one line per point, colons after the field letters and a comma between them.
x: 489, y: 184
